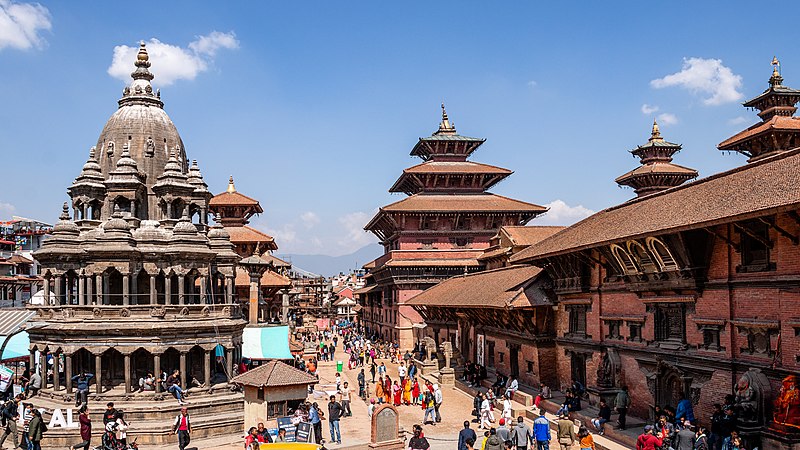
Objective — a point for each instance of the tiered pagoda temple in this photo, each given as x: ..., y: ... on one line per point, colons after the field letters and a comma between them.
x: 657, y: 171
x: 234, y: 210
x: 439, y: 231
x: 133, y: 286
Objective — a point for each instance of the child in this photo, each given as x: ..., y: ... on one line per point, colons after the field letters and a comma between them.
x: 338, y: 381
x: 586, y: 439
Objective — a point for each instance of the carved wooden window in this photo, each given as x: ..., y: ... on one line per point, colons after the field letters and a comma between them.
x: 424, y: 223
x: 276, y: 409
x: 662, y: 254
x: 670, y: 322
x: 759, y: 340
x: 638, y: 251
x: 490, y: 353
x: 754, y: 246
x: 634, y: 331
x: 711, y: 338
x: 614, y: 327
x: 529, y: 365
x: 624, y: 260
x: 502, y: 357
x: 577, y: 319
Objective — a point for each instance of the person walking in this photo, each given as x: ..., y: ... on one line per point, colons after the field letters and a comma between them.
x: 10, y: 415
x: 334, y: 415
x: 566, y: 432
x: 648, y: 440
x: 345, y: 399
x: 372, y: 370
x: 493, y: 442
x: 507, y: 414
x: 86, y: 429
x: 503, y: 432
x: 316, y: 422
x: 521, y: 435
x: 428, y: 406
x: 183, y: 428
x: 585, y: 438
x: 622, y: 402
x: 36, y: 430
x: 110, y: 414
x: 379, y: 390
x: 437, y: 401
x: 465, y: 435
x: 541, y: 431
x: 418, y: 441
x: 362, y: 383
x: 485, y: 413
x: 685, y: 438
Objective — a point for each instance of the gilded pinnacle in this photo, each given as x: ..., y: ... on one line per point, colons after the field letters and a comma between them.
x: 655, y: 134
x: 231, y: 187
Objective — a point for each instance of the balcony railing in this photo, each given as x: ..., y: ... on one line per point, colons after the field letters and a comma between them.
x: 136, y: 312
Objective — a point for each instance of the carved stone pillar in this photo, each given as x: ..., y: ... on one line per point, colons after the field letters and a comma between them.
x: 89, y: 281
x: 126, y: 284
x: 229, y: 284
x: 181, y: 286
x: 99, y: 285
x: 43, y: 367
x: 68, y: 372
x: 207, y: 367
x: 168, y: 289
x: 47, y: 290
x: 81, y: 290
x: 98, y: 374
x: 183, y: 371
x: 203, y: 290
x: 127, y: 358
x: 59, y: 300
x: 157, y: 371
x: 153, y: 293
x: 229, y: 362
x: 32, y: 361
x: 56, y: 378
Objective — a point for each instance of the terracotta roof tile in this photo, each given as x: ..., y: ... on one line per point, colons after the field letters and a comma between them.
x: 529, y: 235
x: 19, y: 259
x: 757, y: 188
x: 274, y: 374
x: 245, y: 234
x: 232, y: 198
x: 498, y: 288
x: 484, y: 202
x: 269, y: 279
x: 775, y: 123
x: 456, y: 167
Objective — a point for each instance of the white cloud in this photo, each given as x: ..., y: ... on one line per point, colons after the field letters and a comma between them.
x: 285, y: 235
x: 355, y: 236
x: 649, y: 109
x: 706, y: 77
x: 559, y: 213
x: 171, y: 63
x: 20, y: 24
x: 6, y: 210
x: 309, y: 219
x: 667, y: 119
x: 738, y: 120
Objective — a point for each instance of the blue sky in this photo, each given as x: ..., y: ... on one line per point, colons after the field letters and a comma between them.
x: 314, y: 106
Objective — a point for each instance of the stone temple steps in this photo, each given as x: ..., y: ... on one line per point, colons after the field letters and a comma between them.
x: 151, y: 421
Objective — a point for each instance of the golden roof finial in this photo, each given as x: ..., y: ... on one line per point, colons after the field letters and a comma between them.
x: 775, y: 79
x: 142, y: 55
x: 655, y: 134
x: 231, y: 187
x: 446, y: 126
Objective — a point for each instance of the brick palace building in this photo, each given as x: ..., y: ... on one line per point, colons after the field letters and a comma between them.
x: 690, y: 289
x: 438, y: 231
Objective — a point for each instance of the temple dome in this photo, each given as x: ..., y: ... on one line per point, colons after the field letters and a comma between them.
x: 142, y: 123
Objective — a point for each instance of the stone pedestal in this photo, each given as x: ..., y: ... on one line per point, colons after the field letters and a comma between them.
x: 427, y: 367
x: 605, y: 393
x: 385, y: 429
x: 447, y: 377
x: 778, y: 437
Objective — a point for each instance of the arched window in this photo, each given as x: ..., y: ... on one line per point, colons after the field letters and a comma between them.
x: 624, y: 260
x: 662, y: 254
x: 641, y: 255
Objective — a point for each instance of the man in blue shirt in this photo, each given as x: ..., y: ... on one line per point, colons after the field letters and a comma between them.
x: 316, y: 422
x: 464, y: 435
x: 541, y: 431
x: 684, y: 410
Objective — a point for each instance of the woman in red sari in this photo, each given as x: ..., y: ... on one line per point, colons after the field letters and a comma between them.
x: 415, y: 392
x: 387, y: 389
x: 396, y: 390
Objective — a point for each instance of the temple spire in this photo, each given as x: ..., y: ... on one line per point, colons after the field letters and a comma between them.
x: 445, y: 127
x: 655, y: 134
x: 231, y: 186
x: 776, y: 79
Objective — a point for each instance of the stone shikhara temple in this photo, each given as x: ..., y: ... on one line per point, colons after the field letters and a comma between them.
x: 136, y: 281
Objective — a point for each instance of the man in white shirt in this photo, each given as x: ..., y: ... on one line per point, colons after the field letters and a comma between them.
x: 344, y: 391
x: 437, y: 401
x: 401, y: 371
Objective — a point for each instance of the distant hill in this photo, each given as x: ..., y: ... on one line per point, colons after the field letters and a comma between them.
x: 332, y: 265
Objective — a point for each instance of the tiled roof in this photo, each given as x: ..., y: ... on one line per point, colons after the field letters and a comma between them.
x: 19, y: 259
x: 758, y: 188
x: 499, y: 288
x: 456, y: 167
x: 246, y: 234
x: 658, y: 167
x: 367, y: 289
x: 269, y: 279
x: 776, y: 123
x: 274, y: 374
x: 232, y: 199
x: 277, y: 262
x: 462, y: 203
x: 529, y: 235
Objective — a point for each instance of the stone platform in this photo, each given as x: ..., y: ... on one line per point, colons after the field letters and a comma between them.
x: 213, y: 412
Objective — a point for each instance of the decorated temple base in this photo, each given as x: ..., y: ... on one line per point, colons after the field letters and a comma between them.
x: 212, y: 414
x: 778, y: 437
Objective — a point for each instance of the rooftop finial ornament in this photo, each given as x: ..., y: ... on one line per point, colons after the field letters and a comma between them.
x: 655, y: 134
x: 64, y: 212
x: 776, y: 79
x: 446, y: 126
x: 231, y: 187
